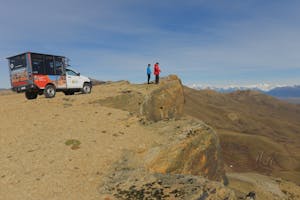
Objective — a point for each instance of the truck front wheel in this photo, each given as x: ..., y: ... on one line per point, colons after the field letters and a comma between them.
x: 50, y: 91
x: 87, y: 88
x: 30, y: 95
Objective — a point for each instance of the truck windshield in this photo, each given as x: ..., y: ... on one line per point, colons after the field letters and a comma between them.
x: 17, y: 62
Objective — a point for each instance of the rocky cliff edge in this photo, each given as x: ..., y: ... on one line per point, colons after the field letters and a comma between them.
x: 190, y: 151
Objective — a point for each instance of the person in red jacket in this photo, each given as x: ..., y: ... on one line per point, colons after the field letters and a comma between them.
x: 156, y: 72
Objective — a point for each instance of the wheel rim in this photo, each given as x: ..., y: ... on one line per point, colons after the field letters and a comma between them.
x: 86, y: 89
x: 51, y: 91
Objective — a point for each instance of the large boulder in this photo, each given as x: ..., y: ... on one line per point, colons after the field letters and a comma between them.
x: 155, y: 102
x: 196, y: 151
x: 164, y: 102
x: 126, y: 180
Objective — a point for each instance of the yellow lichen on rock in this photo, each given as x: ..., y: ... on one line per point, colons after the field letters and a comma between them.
x: 194, y: 154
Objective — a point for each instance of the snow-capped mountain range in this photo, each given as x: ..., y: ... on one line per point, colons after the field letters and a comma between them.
x: 283, y: 91
x: 261, y: 87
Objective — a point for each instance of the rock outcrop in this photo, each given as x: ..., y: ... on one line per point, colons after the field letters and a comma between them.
x: 195, y: 151
x: 136, y: 185
x: 128, y: 181
x: 166, y: 101
x: 158, y: 102
x: 191, y: 148
x: 178, y: 168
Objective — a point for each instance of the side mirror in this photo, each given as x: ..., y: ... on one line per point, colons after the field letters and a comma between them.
x: 78, y: 74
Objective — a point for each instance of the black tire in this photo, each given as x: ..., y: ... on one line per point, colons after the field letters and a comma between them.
x: 31, y: 95
x: 87, y: 88
x: 66, y: 93
x: 50, y: 91
x: 69, y: 93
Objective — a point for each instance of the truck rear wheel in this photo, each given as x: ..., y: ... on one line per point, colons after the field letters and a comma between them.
x: 87, y: 88
x: 30, y: 95
x: 50, y: 91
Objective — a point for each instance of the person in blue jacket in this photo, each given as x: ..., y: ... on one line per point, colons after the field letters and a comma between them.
x: 149, y: 73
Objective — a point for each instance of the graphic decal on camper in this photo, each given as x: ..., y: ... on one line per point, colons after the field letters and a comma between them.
x: 42, y: 80
x: 19, y: 77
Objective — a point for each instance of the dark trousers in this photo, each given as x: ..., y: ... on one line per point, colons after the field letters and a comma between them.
x: 156, y: 79
x: 149, y: 76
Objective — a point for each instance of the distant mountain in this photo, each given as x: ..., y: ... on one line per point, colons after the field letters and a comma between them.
x: 4, y: 91
x: 275, y: 91
x: 285, y: 92
x: 97, y: 82
x: 294, y: 100
x: 232, y: 88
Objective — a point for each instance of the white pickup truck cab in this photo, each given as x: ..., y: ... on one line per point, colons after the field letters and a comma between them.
x: 35, y: 73
x: 76, y: 82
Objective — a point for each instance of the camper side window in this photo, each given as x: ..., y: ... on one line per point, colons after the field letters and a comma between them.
x: 17, y: 62
x: 49, y: 65
x: 59, y: 66
x: 37, y: 64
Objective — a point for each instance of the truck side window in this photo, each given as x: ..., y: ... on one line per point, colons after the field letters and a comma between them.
x: 49, y: 65
x: 71, y: 73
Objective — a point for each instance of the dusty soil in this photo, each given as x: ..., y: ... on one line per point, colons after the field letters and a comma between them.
x: 36, y: 163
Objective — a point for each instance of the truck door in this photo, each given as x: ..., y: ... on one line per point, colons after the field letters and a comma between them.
x: 60, y: 72
x: 73, y: 79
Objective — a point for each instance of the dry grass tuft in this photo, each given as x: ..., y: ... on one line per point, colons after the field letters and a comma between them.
x: 75, y: 144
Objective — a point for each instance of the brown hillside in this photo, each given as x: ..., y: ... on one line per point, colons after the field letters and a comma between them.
x: 258, y: 132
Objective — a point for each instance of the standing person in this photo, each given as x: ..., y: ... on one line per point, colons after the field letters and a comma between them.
x: 156, y: 72
x: 149, y: 73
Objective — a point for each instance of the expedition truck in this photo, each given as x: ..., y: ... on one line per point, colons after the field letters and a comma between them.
x: 37, y: 74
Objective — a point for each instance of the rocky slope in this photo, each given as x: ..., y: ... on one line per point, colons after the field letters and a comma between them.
x: 190, y: 147
x: 258, y: 133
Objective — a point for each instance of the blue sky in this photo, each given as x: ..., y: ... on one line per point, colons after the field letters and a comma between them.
x: 214, y: 42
